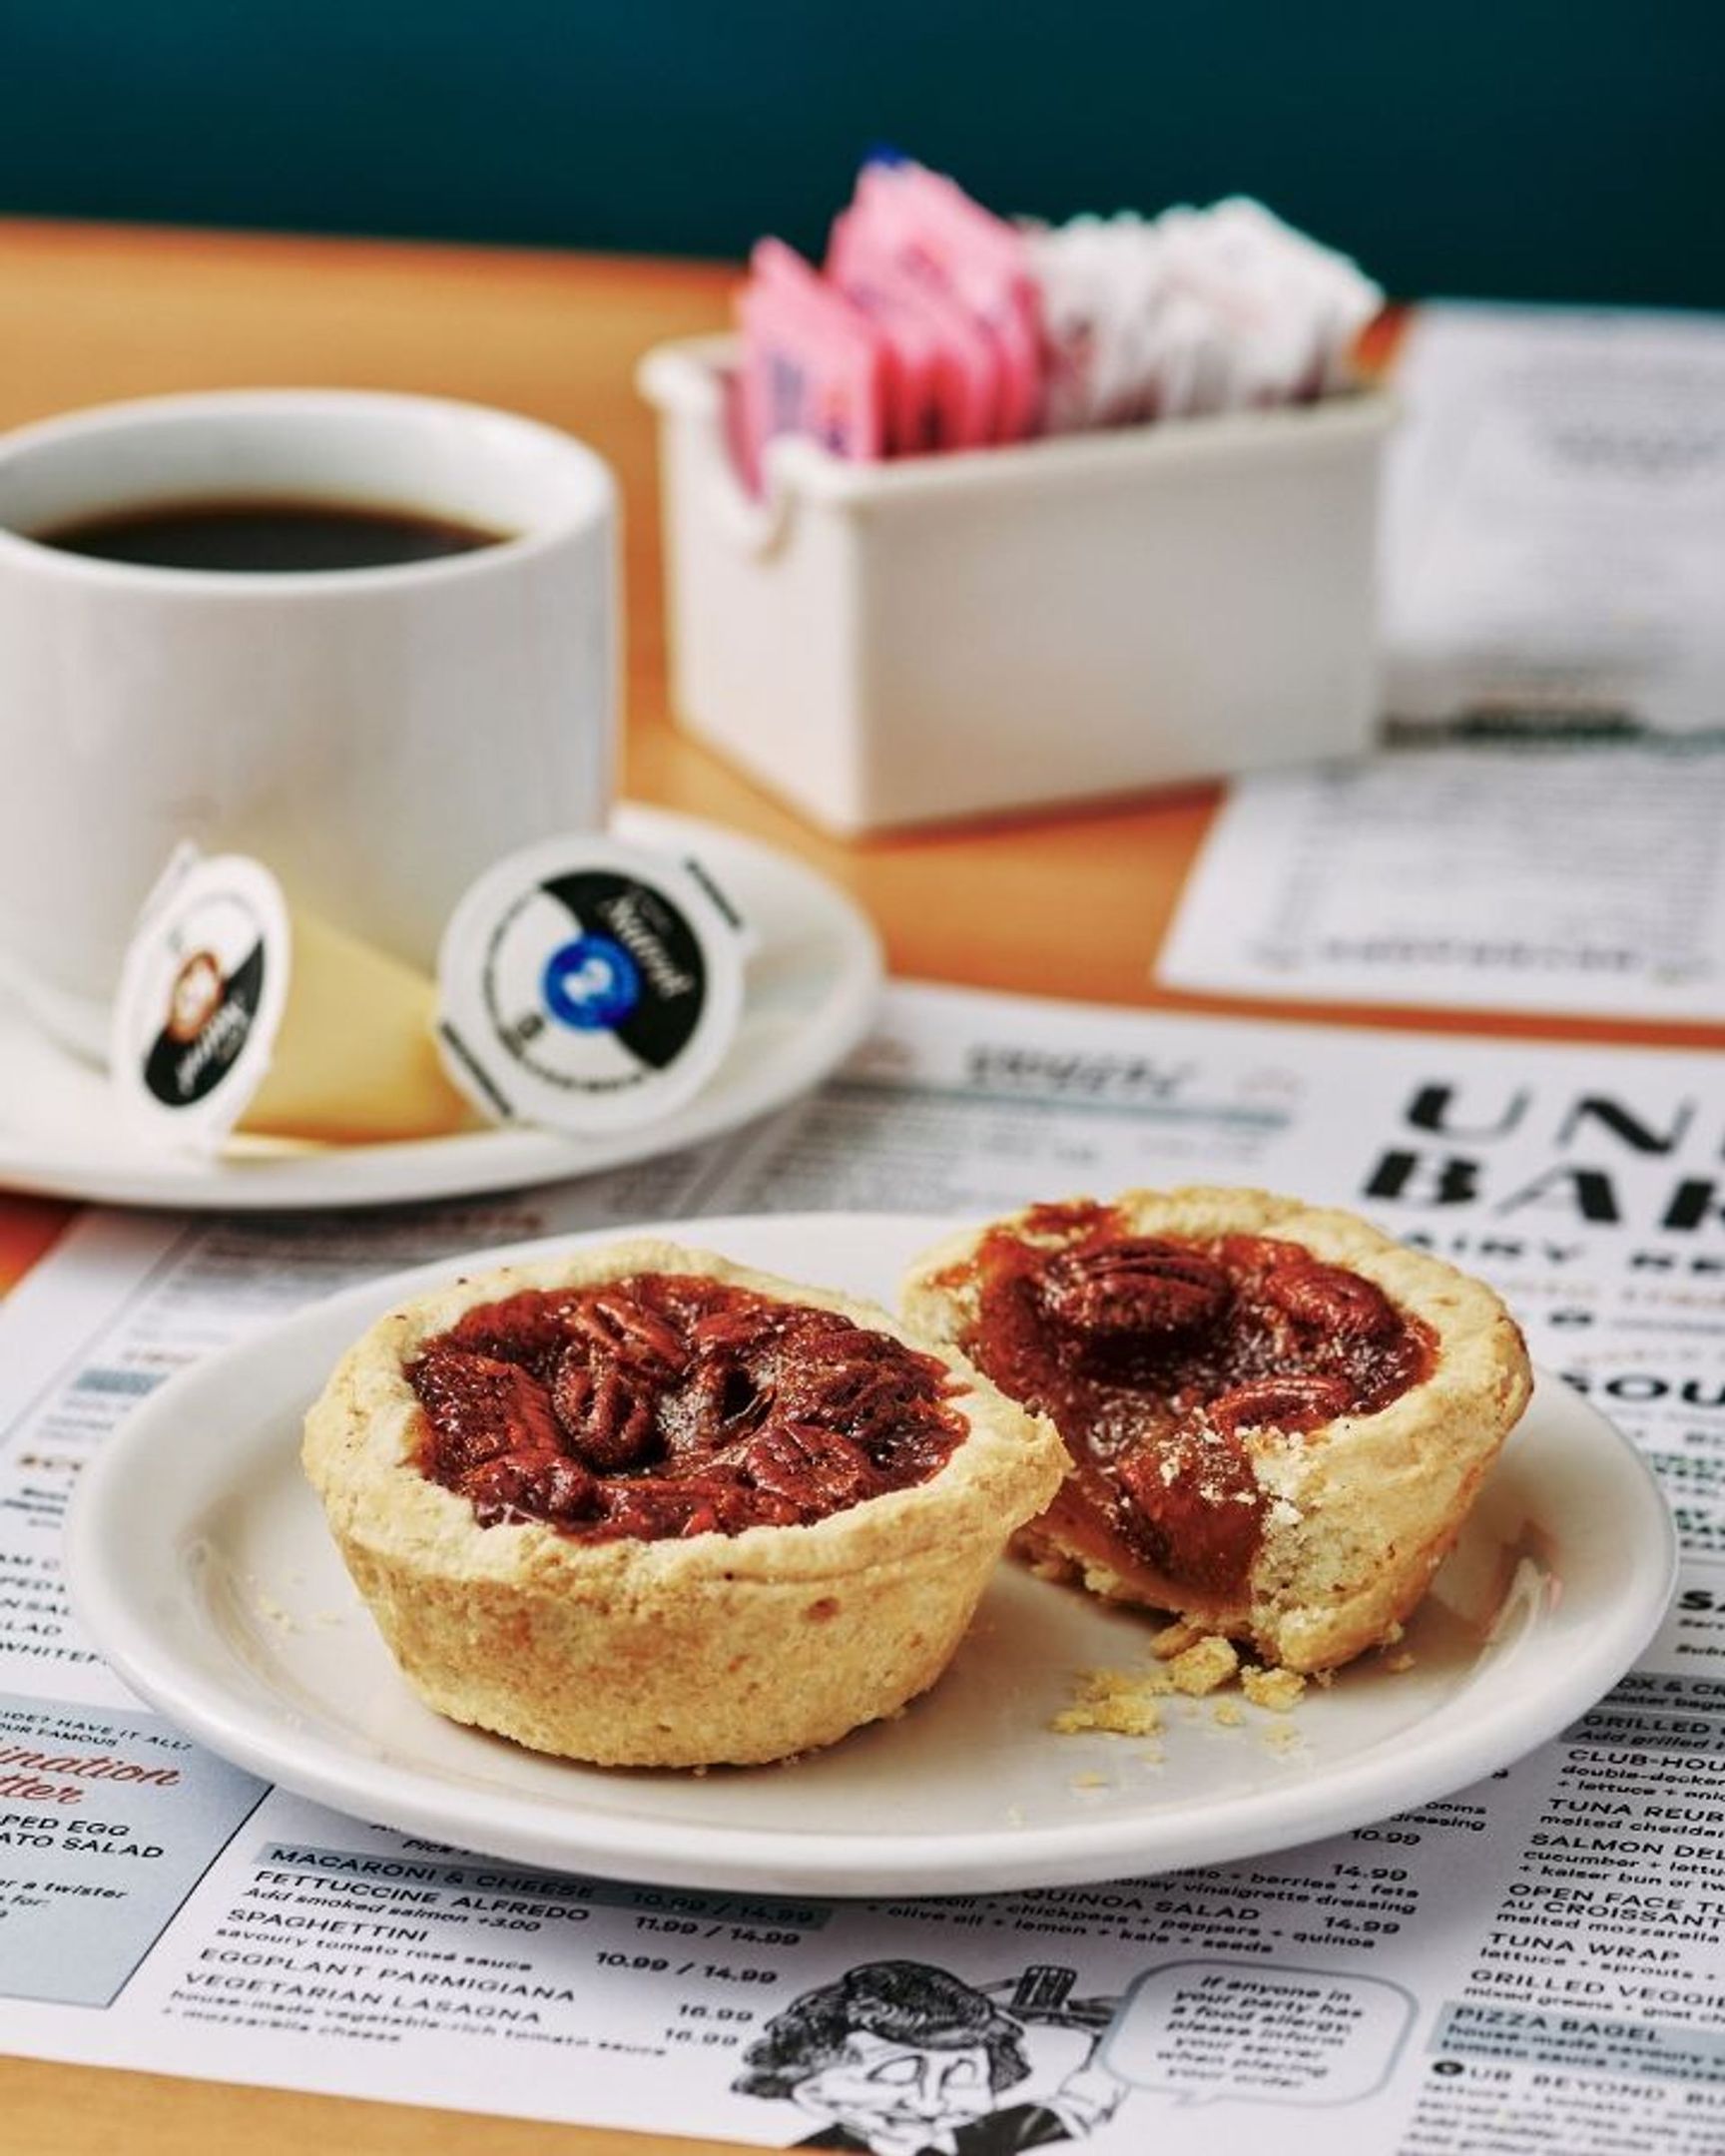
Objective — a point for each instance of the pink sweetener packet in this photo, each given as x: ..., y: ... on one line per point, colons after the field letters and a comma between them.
x: 919, y: 389
x: 966, y: 381
x: 844, y: 362
x: 942, y: 238
x: 813, y: 363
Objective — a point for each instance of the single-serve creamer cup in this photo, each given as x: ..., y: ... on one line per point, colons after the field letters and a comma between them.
x: 238, y: 1011
x: 590, y: 986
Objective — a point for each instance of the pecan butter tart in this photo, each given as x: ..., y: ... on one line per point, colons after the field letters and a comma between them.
x: 1276, y: 1418
x: 644, y: 1508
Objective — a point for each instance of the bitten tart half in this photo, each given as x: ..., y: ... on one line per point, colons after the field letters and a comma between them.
x: 644, y: 1508
x: 1276, y: 1417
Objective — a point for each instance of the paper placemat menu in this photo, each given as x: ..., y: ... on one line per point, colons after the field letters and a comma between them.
x: 1554, y: 518
x: 1541, y: 877
x: 1536, y: 1962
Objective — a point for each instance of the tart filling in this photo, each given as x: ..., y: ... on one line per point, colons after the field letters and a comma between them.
x: 1276, y: 1417
x: 1154, y: 1355
x: 667, y: 1405
x: 641, y: 1506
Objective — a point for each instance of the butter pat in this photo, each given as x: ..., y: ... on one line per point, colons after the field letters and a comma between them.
x: 355, y: 1059
x: 236, y: 1012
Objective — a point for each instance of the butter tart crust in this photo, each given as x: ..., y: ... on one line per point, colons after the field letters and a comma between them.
x: 711, y: 1648
x: 1349, y: 1513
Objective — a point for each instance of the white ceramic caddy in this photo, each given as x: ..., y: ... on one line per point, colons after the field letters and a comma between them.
x: 939, y: 636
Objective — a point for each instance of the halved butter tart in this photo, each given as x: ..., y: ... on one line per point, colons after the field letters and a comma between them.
x: 642, y: 1506
x: 1276, y: 1417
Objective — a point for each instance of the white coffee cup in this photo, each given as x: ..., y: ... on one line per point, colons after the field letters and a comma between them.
x: 377, y: 736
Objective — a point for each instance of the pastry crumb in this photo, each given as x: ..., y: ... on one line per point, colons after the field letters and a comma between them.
x: 1398, y: 1662
x: 1192, y: 1665
x: 1101, y: 1580
x: 1090, y: 1781
x: 1284, y: 1737
x: 1119, y: 1703
x: 1175, y: 1639
x: 1204, y: 1667
x: 1277, y: 1689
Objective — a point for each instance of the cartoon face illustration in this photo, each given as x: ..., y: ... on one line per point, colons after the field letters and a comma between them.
x: 898, y: 2095
x: 901, y: 2058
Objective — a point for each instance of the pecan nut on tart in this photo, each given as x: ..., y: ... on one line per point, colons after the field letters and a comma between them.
x: 641, y: 1506
x: 1276, y: 1417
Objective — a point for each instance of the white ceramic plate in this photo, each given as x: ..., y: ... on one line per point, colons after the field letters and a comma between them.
x: 200, y: 1565
x: 813, y: 984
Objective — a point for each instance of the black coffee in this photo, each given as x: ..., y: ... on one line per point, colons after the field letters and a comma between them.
x: 268, y: 537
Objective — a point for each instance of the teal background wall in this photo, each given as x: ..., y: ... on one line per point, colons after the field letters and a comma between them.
x: 1526, y: 149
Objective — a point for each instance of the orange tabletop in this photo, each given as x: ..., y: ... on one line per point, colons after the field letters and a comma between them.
x: 1073, y: 904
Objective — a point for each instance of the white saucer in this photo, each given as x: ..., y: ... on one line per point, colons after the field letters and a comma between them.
x: 200, y: 1565
x: 813, y: 984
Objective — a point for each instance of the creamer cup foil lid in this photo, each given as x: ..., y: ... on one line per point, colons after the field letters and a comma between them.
x: 202, y: 992
x: 589, y: 986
